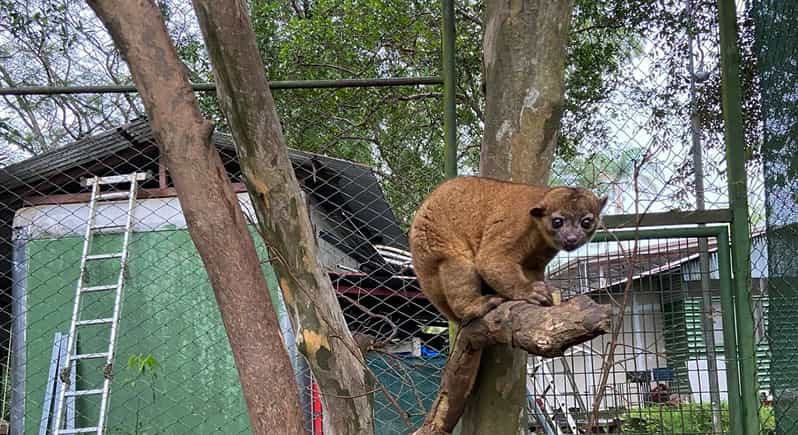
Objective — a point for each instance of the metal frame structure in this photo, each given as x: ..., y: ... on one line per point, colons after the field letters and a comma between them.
x: 731, y: 305
x: 733, y: 239
x: 731, y: 93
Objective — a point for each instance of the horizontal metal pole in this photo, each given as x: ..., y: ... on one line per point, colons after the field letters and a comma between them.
x: 660, y: 233
x: 211, y: 87
x: 693, y: 217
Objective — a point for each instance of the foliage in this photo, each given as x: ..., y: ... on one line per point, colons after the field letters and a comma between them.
x: 776, y: 54
x: 685, y: 418
x: 626, y: 71
x: 399, y: 130
x: 142, y: 368
x: 61, y: 43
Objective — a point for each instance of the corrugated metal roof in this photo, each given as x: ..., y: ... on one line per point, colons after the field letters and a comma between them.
x: 591, y: 273
x: 350, y: 191
x: 77, y: 153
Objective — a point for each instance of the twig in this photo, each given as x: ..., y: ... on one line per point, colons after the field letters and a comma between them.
x: 394, y: 403
x: 350, y: 396
x: 464, y: 13
x: 394, y: 328
x: 408, y: 377
x: 350, y: 72
x: 608, y: 361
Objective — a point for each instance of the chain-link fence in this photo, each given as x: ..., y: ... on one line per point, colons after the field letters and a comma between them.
x: 174, y: 372
x: 776, y: 47
x: 641, y: 124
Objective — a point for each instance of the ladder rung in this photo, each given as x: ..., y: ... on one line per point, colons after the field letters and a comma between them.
x: 108, y: 227
x: 104, y: 256
x: 98, y: 288
x: 93, y: 322
x: 77, y: 430
x: 89, y: 356
x: 114, y: 179
x: 83, y: 392
x: 112, y: 195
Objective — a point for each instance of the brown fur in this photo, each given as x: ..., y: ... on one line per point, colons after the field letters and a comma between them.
x: 474, y: 230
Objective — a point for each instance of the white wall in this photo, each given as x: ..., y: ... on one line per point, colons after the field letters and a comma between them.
x: 641, y: 346
x: 155, y: 214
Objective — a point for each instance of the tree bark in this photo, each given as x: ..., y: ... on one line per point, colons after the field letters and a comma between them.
x: 544, y: 331
x: 213, y: 215
x: 322, y: 334
x: 524, y: 58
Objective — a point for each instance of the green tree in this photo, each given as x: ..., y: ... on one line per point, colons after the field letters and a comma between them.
x: 398, y: 131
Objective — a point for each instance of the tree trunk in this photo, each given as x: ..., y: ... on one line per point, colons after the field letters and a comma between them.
x: 213, y: 215
x: 524, y: 57
x: 283, y: 221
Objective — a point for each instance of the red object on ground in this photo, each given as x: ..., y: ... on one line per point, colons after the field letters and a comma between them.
x: 317, y: 417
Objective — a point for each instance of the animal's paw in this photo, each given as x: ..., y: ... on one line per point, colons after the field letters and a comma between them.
x: 540, y: 293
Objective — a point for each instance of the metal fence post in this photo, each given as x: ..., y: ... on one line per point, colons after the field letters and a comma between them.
x: 729, y: 333
x: 738, y: 201
x: 448, y: 73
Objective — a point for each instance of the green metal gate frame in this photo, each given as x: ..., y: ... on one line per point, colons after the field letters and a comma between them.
x: 733, y: 136
x: 736, y: 309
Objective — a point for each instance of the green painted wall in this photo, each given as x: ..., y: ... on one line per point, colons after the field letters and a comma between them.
x: 169, y: 312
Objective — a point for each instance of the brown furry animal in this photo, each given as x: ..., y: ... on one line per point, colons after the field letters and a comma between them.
x: 472, y: 230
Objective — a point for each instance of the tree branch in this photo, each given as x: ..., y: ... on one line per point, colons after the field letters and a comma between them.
x: 544, y: 331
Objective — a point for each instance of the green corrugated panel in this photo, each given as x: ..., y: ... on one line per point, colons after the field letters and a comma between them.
x: 676, y: 344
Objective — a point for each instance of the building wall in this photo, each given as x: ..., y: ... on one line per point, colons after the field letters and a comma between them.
x: 168, y: 311
x: 149, y: 215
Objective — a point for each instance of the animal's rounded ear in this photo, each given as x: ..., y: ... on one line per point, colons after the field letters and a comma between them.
x: 602, y: 202
x: 538, y: 211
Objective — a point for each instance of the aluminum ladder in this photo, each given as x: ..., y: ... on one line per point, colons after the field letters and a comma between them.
x: 550, y: 401
x: 98, y: 198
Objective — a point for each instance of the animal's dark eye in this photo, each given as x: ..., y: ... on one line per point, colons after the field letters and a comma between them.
x: 556, y: 223
x: 587, y: 223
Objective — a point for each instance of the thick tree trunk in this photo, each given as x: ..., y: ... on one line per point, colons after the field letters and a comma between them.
x: 542, y: 331
x: 524, y: 57
x: 322, y: 334
x: 215, y: 221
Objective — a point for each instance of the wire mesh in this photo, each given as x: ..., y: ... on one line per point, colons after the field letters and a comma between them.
x: 776, y: 50
x: 658, y: 377
x: 643, y: 96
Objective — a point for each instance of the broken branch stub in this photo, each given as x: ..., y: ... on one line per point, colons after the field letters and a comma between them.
x: 543, y: 331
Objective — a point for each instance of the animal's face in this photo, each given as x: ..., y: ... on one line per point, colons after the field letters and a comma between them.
x: 568, y: 217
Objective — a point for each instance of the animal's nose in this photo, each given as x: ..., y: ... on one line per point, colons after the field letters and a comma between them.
x: 571, y: 240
